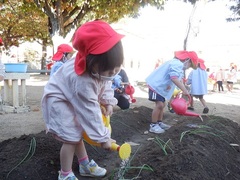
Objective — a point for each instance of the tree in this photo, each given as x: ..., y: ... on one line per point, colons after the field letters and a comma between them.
x: 67, y: 15
x: 54, y: 19
x: 235, y: 8
x: 21, y: 22
x: 189, y: 26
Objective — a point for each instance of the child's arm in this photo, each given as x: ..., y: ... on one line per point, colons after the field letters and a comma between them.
x: 189, y: 79
x: 180, y: 85
x: 107, y: 98
x: 125, y: 83
x: 107, y: 110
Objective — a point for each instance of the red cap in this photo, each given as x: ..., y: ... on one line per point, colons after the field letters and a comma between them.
x: 1, y: 42
x: 63, y: 48
x: 95, y: 37
x: 201, y: 64
x: 183, y: 55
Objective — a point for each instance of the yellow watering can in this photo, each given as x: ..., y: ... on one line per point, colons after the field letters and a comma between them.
x: 176, y: 92
x: 124, y: 150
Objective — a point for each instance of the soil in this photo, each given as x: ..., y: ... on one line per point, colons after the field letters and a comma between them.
x: 190, y: 149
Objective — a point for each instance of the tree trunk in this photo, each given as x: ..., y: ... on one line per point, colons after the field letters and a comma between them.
x: 44, y: 55
x: 189, y: 26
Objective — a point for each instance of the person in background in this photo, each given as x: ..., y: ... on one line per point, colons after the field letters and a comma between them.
x: 197, y: 79
x: 162, y: 82
x: 212, y: 79
x: 220, y: 79
x: 120, y: 81
x: 231, y: 77
x: 74, y: 96
x: 64, y: 53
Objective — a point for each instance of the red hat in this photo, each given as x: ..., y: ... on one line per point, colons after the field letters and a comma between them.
x: 95, y: 37
x: 63, y: 48
x: 201, y: 64
x: 1, y: 42
x: 183, y: 55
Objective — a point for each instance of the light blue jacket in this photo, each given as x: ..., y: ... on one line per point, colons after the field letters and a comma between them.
x: 160, y: 79
x: 117, y: 82
x: 198, y: 81
x: 55, y: 67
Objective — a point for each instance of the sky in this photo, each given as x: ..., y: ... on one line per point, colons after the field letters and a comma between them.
x: 157, y: 34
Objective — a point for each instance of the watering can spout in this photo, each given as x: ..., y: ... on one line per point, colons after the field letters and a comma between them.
x: 190, y: 113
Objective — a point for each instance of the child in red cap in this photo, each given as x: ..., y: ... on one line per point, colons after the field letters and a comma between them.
x: 64, y: 53
x: 198, y: 80
x: 72, y: 97
x: 162, y: 82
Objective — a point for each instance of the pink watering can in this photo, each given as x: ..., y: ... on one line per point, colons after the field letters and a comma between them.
x: 130, y: 91
x: 180, y: 106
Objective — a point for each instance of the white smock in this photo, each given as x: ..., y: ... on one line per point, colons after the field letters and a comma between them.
x: 71, y: 105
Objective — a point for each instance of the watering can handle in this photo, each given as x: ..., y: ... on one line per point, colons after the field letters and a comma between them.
x: 189, y: 97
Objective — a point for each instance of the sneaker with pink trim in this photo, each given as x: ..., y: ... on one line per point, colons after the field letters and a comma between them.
x: 92, y: 170
x: 70, y: 176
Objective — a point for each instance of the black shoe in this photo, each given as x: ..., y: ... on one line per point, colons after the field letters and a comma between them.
x: 190, y: 108
x: 170, y: 109
x: 205, y: 110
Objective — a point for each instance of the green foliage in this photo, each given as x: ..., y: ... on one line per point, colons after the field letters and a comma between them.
x: 163, y: 145
x: 125, y: 167
x: 68, y: 15
x: 30, y: 153
x: 191, y: 1
x: 235, y: 8
x: 30, y: 20
x: 203, y: 129
x: 21, y: 22
x: 30, y: 55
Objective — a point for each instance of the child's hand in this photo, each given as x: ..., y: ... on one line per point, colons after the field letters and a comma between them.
x: 108, y: 110
x: 107, y: 145
x: 185, y: 92
x: 118, y: 90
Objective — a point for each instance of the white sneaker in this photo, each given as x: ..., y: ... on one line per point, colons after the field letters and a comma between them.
x: 164, y: 126
x: 155, y: 128
x: 92, y: 170
x: 70, y: 176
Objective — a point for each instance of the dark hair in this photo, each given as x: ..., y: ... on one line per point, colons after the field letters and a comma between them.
x: 106, y: 61
x: 64, y: 55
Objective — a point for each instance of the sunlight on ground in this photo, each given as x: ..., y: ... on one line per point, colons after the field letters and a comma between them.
x: 219, y: 98
x: 35, y: 81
